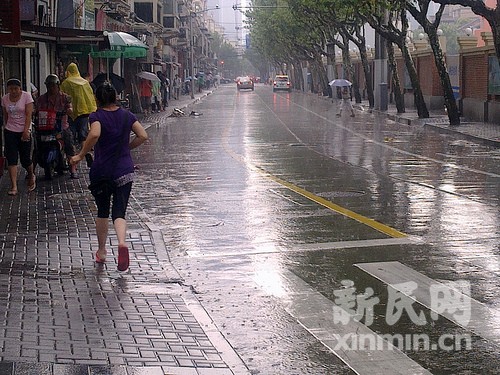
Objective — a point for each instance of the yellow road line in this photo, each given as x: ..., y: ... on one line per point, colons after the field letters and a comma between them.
x: 335, y: 207
x: 391, y: 232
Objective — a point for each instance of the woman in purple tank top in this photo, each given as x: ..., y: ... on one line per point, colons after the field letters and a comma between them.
x: 109, y: 135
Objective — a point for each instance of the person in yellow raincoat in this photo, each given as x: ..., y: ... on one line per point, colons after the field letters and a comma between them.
x: 84, y: 104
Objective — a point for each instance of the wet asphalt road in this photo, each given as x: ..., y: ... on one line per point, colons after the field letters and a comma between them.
x: 267, y: 201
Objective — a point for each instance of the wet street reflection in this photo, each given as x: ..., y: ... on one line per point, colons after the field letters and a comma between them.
x: 268, y: 203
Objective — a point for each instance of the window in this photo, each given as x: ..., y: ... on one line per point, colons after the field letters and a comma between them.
x: 144, y: 11
x: 168, y: 7
x: 169, y: 22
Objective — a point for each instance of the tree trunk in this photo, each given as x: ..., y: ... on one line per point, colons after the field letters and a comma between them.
x: 368, y: 76
x: 396, y: 83
x: 350, y: 73
x: 323, y: 76
x: 495, y: 30
x: 449, y: 98
x: 418, y: 97
x: 319, y: 75
x: 297, y: 79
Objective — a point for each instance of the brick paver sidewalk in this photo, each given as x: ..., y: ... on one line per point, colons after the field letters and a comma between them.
x: 63, y: 313
x: 482, y: 132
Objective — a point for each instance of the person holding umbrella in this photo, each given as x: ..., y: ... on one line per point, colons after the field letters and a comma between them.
x: 344, y: 84
x: 346, y: 102
x: 117, y: 81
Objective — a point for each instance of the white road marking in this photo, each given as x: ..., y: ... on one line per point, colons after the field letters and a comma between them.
x: 358, y: 243
x: 270, y: 248
x: 483, y: 321
x: 315, y: 313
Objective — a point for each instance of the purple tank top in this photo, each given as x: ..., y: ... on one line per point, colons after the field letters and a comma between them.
x: 115, y: 133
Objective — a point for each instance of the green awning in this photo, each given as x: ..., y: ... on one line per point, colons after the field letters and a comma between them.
x: 126, y: 52
x: 121, y: 45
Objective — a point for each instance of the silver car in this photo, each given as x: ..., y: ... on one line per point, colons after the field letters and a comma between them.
x: 245, y: 83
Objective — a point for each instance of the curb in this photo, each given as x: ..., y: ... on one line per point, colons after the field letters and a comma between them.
x: 231, y: 358
x: 443, y: 128
x: 456, y: 131
x: 153, y: 118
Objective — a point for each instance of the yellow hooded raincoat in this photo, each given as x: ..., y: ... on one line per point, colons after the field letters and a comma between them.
x: 80, y: 91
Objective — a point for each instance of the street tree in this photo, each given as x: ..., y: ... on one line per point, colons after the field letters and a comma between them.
x: 389, y: 19
x: 258, y: 61
x: 268, y: 39
x: 419, y: 10
x: 491, y: 15
x: 279, y: 35
x: 340, y: 27
x: 227, y: 53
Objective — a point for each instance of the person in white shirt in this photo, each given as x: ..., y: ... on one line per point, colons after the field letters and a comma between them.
x: 346, y: 102
x: 17, y: 106
x: 177, y: 87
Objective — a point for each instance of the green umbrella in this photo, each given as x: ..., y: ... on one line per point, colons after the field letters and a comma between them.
x: 122, y: 45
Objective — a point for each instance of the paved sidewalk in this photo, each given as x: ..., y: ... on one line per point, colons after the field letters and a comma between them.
x: 485, y: 133
x: 64, y: 314
x: 481, y: 132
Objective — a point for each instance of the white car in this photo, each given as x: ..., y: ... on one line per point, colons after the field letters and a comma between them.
x: 282, y: 82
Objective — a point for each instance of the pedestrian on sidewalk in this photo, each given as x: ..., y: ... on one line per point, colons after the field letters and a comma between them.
x: 146, y: 92
x: 164, y: 89
x: 83, y: 101
x: 17, y: 107
x: 200, y: 81
x: 56, y: 101
x: 346, y: 102
x: 177, y: 87
x: 110, y: 128
x: 156, y: 98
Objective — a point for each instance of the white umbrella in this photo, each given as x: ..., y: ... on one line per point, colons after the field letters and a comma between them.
x: 149, y: 76
x: 340, y: 83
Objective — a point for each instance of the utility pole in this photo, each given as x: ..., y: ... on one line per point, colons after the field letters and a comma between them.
x: 381, y: 73
x: 193, y: 14
x: 191, y: 50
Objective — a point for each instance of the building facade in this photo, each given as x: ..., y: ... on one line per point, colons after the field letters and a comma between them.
x: 40, y: 37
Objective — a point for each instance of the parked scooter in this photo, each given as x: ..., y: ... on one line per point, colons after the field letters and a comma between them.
x: 49, y: 142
